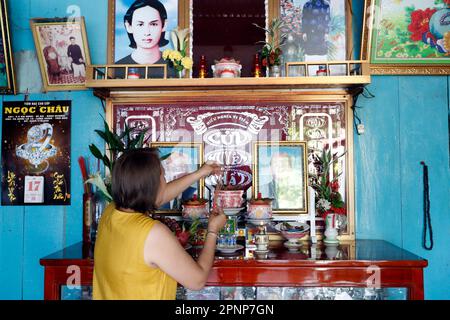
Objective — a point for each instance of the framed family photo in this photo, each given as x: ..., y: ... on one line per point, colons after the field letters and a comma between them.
x: 180, y: 159
x: 7, y: 79
x: 407, y: 37
x: 63, y: 52
x: 280, y: 173
x: 318, y: 30
x: 139, y: 30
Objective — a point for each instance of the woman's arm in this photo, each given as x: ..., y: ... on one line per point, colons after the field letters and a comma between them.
x: 163, y: 250
x: 176, y: 187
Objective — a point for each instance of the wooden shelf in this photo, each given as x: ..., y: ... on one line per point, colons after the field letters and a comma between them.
x: 96, y: 79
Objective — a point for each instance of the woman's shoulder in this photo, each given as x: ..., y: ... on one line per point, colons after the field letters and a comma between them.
x: 126, y: 60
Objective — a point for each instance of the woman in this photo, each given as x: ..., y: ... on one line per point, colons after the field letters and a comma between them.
x: 145, y: 22
x: 135, y: 256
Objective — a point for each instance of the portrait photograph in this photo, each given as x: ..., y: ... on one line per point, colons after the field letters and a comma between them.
x: 178, y: 160
x: 408, y: 37
x: 315, y: 31
x: 139, y: 30
x: 7, y: 79
x: 63, y: 53
x: 280, y: 173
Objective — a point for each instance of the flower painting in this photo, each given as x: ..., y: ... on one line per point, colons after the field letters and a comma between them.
x: 410, y: 32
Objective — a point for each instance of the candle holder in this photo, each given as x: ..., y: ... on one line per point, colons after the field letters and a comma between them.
x: 262, y: 240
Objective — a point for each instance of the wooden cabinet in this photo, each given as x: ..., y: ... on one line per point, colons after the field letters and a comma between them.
x: 356, y: 264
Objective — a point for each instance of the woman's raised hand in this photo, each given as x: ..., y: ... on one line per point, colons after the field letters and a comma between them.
x: 211, y: 167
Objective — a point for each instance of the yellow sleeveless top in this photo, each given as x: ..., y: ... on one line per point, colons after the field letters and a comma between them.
x: 120, y: 272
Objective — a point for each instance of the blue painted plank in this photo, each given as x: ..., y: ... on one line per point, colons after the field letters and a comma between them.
x: 11, y: 252
x: 377, y: 167
x: 424, y: 132
x: 43, y: 235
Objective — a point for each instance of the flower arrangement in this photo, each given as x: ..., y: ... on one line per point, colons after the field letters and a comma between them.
x: 178, y: 56
x: 271, y: 51
x: 329, y: 200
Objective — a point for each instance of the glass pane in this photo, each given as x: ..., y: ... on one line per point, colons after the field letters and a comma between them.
x: 76, y: 293
x: 293, y: 293
x: 225, y: 29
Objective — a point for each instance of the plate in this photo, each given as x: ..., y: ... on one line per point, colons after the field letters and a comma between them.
x: 230, y: 249
x: 232, y: 211
x: 259, y: 222
x: 261, y: 251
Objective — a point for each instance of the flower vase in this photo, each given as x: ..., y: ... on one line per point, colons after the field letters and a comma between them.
x: 331, y: 231
x: 181, y: 73
x: 274, y: 71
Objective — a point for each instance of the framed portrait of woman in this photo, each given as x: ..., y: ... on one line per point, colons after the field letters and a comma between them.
x: 280, y: 173
x: 63, y: 52
x: 178, y: 160
x: 139, y: 30
x: 7, y: 79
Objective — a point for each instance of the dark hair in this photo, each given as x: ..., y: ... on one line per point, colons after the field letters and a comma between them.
x: 72, y: 37
x: 135, y: 180
x: 138, y: 4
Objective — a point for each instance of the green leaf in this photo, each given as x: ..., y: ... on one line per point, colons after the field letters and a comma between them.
x: 166, y: 156
x: 95, y: 151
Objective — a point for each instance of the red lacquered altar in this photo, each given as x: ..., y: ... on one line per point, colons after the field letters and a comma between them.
x: 371, y: 264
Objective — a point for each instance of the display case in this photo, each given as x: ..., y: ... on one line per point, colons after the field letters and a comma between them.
x: 362, y: 269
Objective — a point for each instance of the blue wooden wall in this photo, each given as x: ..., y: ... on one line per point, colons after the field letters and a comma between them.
x: 407, y: 122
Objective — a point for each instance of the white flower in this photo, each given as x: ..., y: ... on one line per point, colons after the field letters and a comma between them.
x: 323, y: 204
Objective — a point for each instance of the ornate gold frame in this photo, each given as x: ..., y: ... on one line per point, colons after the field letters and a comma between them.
x: 262, y: 95
x: 183, y: 22
x: 392, y: 69
x: 42, y: 64
x: 274, y: 12
x: 10, y: 88
x: 201, y: 183
x: 304, y: 152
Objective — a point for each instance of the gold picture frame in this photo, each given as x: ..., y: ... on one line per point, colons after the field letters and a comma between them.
x: 275, y: 12
x: 283, y: 156
x: 194, y: 156
x: 183, y: 18
x: 393, y: 63
x: 7, y: 78
x: 58, y: 42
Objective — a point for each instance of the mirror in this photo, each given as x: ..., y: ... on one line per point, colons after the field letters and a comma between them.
x: 224, y: 28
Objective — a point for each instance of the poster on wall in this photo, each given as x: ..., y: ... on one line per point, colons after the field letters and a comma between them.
x: 36, y: 153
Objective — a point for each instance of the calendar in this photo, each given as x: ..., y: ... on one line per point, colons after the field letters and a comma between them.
x: 34, y: 189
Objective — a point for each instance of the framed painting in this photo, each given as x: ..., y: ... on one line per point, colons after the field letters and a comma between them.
x: 316, y: 31
x: 180, y: 159
x: 63, y: 52
x: 409, y: 37
x: 280, y: 172
x: 139, y: 30
x: 7, y: 79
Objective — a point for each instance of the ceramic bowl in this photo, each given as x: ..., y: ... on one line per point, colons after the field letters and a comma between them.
x: 293, y: 231
x: 258, y: 210
x: 230, y: 198
x: 227, y: 69
x: 195, y: 211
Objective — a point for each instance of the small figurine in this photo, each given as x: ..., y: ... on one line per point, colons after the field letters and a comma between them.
x: 322, y: 71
